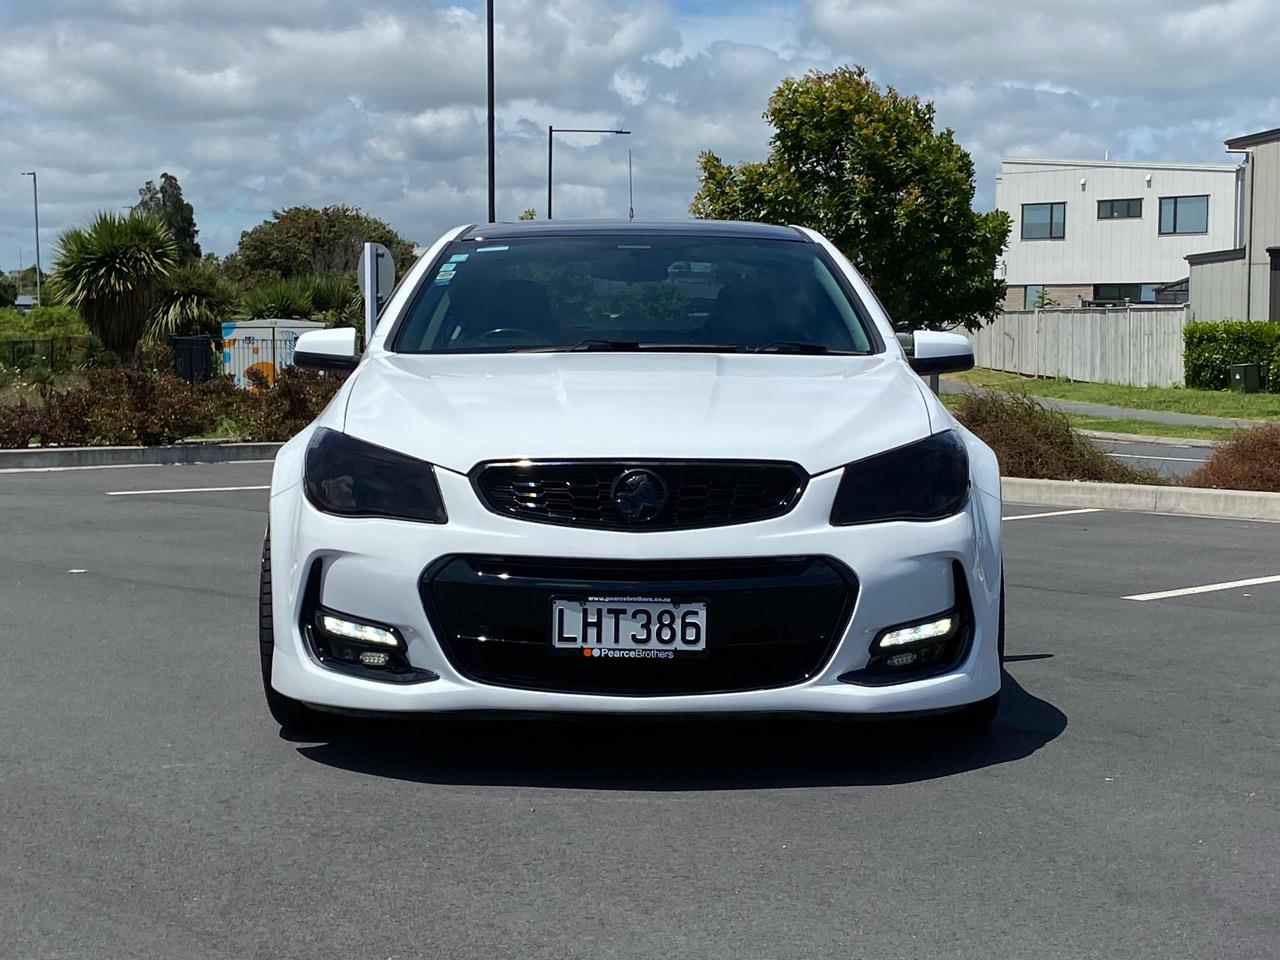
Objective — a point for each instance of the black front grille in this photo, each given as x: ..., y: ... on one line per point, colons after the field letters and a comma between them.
x: 698, y: 493
x: 770, y: 622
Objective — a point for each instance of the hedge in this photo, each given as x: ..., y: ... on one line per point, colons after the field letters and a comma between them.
x: 147, y: 404
x: 1212, y: 348
x: 41, y: 323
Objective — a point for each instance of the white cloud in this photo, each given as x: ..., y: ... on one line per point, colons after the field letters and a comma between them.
x: 258, y: 106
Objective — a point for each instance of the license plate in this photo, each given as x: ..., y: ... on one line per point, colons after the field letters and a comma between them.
x: 625, y: 626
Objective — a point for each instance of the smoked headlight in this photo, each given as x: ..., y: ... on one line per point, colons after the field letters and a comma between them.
x: 351, y: 478
x: 928, y: 480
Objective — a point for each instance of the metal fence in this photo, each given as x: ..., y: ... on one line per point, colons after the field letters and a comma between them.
x: 56, y: 353
x: 1132, y: 346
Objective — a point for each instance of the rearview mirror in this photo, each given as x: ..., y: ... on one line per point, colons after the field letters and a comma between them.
x: 327, y: 350
x: 934, y: 352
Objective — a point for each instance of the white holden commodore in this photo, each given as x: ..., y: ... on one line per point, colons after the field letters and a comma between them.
x: 633, y: 468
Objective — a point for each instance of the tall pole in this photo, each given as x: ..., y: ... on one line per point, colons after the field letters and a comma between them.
x: 493, y: 163
x: 631, y: 190
x: 35, y: 199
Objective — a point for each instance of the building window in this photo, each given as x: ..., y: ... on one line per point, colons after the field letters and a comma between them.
x: 1184, y: 215
x: 1120, y: 209
x: 1044, y: 221
x: 1134, y: 292
x: 1031, y: 294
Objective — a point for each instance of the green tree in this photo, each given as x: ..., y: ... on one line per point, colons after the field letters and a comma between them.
x: 167, y: 203
x: 8, y: 291
x: 194, y: 299
x: 111, y: 270
x: 865, y: 167
x: 303, y: 241
x: 529, y: 214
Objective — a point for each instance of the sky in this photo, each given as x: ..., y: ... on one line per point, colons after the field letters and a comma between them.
x: 257, y: 106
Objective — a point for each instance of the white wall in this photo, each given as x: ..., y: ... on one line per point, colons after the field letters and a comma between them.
x: 1111, y: 251
x: 1219, y: 291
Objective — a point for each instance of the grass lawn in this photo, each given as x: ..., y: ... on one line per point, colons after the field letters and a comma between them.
x: 1137, y: 427
x: 1149, y: 428
x: 1213, y: 403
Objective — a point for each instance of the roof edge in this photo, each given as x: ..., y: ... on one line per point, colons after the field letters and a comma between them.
x: 1123, y: 164
x: 1216, y: 256
x: 1253, y: 139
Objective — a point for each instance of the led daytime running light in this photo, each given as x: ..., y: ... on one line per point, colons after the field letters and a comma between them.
x: 920, y: 632
x: 359, y: 631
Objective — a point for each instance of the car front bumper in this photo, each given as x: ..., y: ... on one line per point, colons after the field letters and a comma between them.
x: 373, y: 569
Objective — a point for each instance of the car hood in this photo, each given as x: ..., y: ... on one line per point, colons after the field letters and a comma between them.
x: 458, y: 411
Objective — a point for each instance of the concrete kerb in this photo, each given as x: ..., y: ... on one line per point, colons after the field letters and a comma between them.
x: 1185, y: 501
x: 196, y: 452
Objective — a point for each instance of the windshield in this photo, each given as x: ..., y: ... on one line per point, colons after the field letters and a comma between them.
x: 642, y: 293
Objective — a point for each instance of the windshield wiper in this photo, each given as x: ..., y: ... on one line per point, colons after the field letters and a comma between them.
x: 634, y: 346
x: 608, y: 346
x: 793, y: 346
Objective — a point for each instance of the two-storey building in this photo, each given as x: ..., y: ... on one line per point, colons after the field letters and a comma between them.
x: 1095, y: 230
x: 1241, y: 280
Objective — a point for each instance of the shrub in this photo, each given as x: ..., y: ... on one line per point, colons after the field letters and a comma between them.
x: 19, y: 424
x: 1248, y: 461
x: 1035, y: 442
x: 271, y: 413
x: 1211, y: 349
x: 56, y: 321
x: 147, y: 404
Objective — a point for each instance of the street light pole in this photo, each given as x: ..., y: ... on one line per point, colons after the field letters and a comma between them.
x: 35, y: 197
x: 493, y: 179
x: 551, y: 146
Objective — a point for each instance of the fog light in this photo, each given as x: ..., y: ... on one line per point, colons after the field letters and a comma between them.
x: 362, y: 632
x: 375, y: 659
x: 917, y: 634
x: 902, y: 659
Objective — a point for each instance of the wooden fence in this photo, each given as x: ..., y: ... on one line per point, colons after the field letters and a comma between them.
x: 1133, y: 346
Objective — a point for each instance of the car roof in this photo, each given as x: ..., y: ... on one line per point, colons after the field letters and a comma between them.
x: 596, y: 228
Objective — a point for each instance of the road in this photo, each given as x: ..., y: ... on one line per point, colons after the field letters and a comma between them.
x: 1167, y: 459
x: 1125, y: 805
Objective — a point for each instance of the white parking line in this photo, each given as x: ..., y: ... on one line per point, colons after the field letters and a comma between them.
x: 1139, y: 456
x: 1207, y: 588
x: 148, y: 493
x: 1056, y: 513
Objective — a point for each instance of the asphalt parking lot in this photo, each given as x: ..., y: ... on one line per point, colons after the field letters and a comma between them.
x: 1126, y: 804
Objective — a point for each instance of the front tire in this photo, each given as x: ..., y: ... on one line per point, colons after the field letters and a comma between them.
x: 293, y: 715
x: 976, y: 718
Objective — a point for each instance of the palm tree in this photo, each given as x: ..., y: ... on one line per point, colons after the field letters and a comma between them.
x: 287, y: 299
x: 111, y: 270
x: 336, y: 300
x: 194, y: 299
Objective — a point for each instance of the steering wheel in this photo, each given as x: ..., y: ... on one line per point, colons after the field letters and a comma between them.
x: 518, y: 332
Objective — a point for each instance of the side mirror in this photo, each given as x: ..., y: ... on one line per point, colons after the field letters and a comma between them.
x: 327, y: 350
x: 935, y: 352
